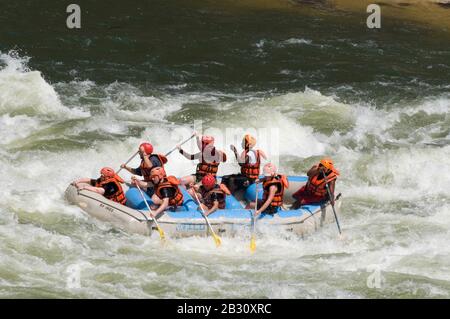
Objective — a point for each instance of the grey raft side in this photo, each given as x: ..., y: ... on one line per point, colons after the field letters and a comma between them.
x: 134, y: 221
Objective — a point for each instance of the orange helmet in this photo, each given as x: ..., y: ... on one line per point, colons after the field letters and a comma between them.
x: 148, y: 148
x: 158, y: 172
x: 328, y: 164
x: 107, y: 172
x: 270, y: 169
x: 209, y: 181
x: 248, y: 140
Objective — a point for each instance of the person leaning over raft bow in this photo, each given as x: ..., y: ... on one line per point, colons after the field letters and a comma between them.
x: 273, y: 191
x: 250, y: 162
x: 108, y: 185
x: 315, y: 190
x: 148, y: 161
x: 209, y: 159
x: 166, y: 191
x: 211, y: 195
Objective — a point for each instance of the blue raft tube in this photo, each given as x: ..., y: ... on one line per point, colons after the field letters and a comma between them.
x: 234, y: 209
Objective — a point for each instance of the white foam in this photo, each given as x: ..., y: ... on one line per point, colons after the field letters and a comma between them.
x: 16, y: 127
x: 26, y: 92
x: 33, y: 184
x: 294, y: 41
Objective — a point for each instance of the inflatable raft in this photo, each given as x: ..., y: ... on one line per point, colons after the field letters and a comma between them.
x: 188, y: 221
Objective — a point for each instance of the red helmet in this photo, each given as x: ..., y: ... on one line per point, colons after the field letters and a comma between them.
x: 206, y: 140
x: 158, y: 172
x: 107, y: 172
x: 148, y: 148
x: 209, y: 181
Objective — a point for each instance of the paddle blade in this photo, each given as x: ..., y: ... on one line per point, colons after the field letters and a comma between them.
x: 253, y: 244
x: 217, y: 240
x: 161, y: 234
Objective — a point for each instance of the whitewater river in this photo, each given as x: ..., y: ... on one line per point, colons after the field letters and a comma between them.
x: 315, y: 81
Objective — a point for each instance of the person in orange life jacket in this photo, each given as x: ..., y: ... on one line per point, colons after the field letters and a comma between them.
x: 273, y: 191
x: 250, y: 162
x: 211, y: 195
x: 209, y: 159
x: 315, y: 190
x: 108, y: 185
x: 148, y: 161
x: 166, y: 191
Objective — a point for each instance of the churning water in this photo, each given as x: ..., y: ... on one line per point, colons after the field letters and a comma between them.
x: 377, y: 101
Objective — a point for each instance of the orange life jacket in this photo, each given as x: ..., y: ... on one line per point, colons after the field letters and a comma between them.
x: 119, y: 196
x: 145, y: 170
x: 170, y: 182
x: 316, y: 186
x: 251, y: 170
x: 206, y: 167
x: 281, y: 182
x: 220, y: 190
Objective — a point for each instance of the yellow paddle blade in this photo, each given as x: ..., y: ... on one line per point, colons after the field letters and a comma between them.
x: 253, y: 244
x: 161, y: 234
x: 217, y: 240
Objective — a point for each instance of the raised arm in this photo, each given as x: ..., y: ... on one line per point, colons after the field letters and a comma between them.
x: 147, y: 160
x: 262, y: 154
x: 131, y: 170
x: 240, y: 159
x: 187, y: 155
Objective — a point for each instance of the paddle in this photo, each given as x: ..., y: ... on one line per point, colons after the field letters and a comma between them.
x: 161, y: 232
x: 253, y: 238
x: 217, y: 239
x: 129, y: 160
x: 185, y: 141
x: 332, y: 205
x: 167, y: 154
